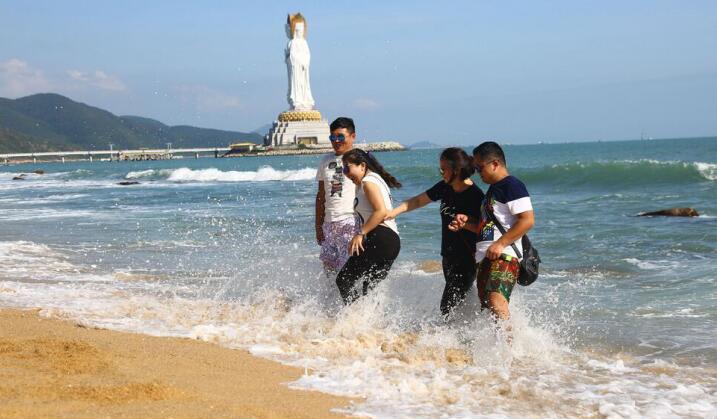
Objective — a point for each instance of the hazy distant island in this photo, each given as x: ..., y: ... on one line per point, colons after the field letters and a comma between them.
x: 52, y: 122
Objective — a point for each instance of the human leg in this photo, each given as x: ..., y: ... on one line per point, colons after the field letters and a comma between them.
x: 349, y: 277
x: 334, y: 249
x: 459, y: 275
x: 499, y: 277
x: 363, y: 272
x: 483, y: 271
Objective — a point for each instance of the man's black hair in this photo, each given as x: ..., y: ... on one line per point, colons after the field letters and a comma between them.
x: 343, y: 122
x: 490, y: 150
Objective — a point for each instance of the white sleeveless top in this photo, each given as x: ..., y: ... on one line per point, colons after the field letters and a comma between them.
x: 363, y: 207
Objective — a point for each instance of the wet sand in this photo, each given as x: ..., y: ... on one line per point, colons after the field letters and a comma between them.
x: 54, y: 368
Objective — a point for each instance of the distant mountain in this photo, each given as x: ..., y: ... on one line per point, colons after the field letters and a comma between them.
x: 263, y: 130
x: 425, y: 144
x: 47, y: 122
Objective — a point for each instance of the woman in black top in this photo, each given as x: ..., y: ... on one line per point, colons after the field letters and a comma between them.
x: 458, y: 195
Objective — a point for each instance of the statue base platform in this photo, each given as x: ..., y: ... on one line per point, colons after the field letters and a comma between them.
x: 298, y: 127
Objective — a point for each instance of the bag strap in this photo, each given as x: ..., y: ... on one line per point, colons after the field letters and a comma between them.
x: 497, y: 223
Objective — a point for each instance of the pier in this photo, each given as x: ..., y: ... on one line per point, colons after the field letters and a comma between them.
x: 115, y: 155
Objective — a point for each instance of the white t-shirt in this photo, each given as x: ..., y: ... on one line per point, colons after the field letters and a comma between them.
x: 339, y: 190
x: 363, y: 206
x: 509, y: 197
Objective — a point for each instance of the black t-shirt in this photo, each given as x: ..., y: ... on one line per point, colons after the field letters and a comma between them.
x: 462, y: 243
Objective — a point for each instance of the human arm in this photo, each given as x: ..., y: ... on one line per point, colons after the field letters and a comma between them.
x: 410, y: 204
x: 463, y: 221
x: 320, y: 212
x: 525, y: 222
x: 373, y: 194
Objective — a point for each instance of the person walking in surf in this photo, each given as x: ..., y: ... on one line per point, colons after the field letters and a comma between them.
x: 458, y: 195
x: 507, y: 201
x: 335, y: 221
x: 376, y: 245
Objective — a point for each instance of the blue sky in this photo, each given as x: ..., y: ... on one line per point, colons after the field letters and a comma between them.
x: 455, y: 72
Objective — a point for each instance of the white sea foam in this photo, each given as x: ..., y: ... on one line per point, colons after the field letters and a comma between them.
x: 649, y: 312
x: 262, y: 175
x: 187, y: 175
x: 708, y: 170
x: 21, y: 214
x: 653, y: 265
x: 141, y: 174
x: 388, y: 347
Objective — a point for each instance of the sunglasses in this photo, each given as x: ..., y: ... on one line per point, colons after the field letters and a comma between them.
x: 337, y: 138
x: 479, y: 167
x: 345, y: 169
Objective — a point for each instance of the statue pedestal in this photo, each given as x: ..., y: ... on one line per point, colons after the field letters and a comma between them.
x: 298, y: 127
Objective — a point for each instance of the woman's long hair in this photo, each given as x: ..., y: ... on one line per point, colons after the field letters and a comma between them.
x: 459, y: 161
x: 358, y: 156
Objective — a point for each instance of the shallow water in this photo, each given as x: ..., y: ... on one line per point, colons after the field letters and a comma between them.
x: 620, y: 324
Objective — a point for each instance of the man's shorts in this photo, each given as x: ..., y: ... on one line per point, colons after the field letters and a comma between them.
x: 335, y: 248
x: 499, y: 275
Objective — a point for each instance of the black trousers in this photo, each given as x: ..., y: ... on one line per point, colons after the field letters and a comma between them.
x: 363, y: 272
x: 459, y: 274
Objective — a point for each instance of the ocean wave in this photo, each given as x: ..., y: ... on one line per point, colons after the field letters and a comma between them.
x: 142, y: 174
x: 620, y: 173
x: 263, y: 174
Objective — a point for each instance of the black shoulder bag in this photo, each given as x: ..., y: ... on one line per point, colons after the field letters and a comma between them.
x: 528, y: 264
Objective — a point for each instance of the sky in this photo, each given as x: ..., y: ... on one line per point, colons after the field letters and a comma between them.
x: 454, y: 72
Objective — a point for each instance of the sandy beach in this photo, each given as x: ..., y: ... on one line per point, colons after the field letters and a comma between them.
x: 55, y: 368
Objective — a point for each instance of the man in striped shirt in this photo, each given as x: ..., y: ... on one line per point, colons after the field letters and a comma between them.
x: 508, y: 201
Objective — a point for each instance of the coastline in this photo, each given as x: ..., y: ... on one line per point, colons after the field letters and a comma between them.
x: 383, y: 146
x: 54, y: 367
x: 292, y: 151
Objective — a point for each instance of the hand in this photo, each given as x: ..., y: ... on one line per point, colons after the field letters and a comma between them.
x: 391, y: 215
x: 320, y: 235
x: 493, y: 252
x: 356, y: 245
x: 459, y: 221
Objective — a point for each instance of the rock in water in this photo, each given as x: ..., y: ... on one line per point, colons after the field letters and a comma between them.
x: 128, y: 182
x: 672, y: 212
x: 38, y: 172
x: 20, y: 177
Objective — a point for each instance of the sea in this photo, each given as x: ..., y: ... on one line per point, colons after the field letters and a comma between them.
x: 622, y: 322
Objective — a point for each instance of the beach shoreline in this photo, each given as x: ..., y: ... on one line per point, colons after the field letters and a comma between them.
x: 53, y: 368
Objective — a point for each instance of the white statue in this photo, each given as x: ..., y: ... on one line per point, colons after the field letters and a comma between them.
x: 298, y: 59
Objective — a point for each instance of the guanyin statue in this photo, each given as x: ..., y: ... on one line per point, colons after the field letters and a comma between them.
x: 298, y: 59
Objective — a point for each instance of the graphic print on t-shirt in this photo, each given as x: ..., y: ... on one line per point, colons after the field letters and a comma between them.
x: 337, y: 180
x: 456, y: 244
x: 486, y: 226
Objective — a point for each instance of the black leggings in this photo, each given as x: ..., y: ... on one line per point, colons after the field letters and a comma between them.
x: 459, y: 274
x: 363, y: 272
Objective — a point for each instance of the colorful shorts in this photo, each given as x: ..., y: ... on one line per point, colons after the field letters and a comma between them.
x: 337, y: 236
x: 499, y: 275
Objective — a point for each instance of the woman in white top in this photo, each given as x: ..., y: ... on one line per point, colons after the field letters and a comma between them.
x: 377, y: 245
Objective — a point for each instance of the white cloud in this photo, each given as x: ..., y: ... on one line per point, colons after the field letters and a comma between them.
x: 366, y: 104
x: 208, y: 99
x: 98, y: 79
x: 18, y: 78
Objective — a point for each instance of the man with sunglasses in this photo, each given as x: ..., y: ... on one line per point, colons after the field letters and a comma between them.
x: 335, y: 220
x: 507, y: 201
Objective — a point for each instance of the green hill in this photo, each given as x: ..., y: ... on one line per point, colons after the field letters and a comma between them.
x: 53, y: 122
